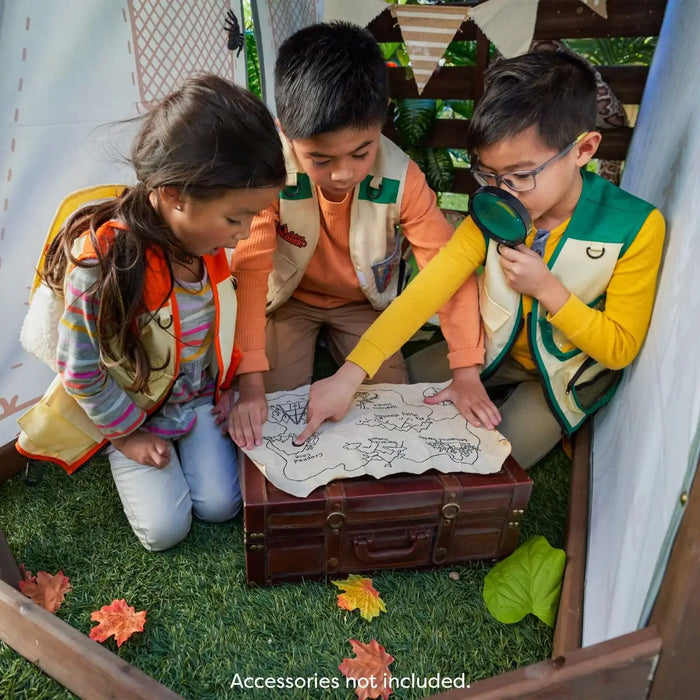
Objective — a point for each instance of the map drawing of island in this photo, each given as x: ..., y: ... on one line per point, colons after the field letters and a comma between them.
x: 402, y: 422
x: 459, y: 451
x: 366, y: 440
x: 382, y: 451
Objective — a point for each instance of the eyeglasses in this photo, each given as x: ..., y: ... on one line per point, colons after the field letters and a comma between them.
x: 522, y: 180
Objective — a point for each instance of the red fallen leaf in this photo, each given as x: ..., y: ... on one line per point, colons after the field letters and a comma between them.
x: 370, y: 670
x: 118, y: 619
x: 45, y: 589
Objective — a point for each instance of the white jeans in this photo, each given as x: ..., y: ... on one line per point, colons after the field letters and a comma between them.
x: 202, y: 476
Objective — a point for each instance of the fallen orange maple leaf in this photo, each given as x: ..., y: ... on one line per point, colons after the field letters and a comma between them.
x: 370, y: 670
x: 45, y: 589
x: 118, y: 619
x: 360, y: 593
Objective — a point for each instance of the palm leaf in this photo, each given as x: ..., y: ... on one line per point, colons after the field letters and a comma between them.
x: 437, y: 165
x: 414, y: 119
x: 615, y: 51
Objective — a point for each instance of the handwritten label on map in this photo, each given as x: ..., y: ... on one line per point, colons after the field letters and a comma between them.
x: 387, y: 430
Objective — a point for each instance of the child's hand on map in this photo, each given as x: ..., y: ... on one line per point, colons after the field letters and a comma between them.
x: 329, y: 399
x: 250, y: 411
x: 469, y: 397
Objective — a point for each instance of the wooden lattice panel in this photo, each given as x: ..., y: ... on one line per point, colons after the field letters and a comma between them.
x: 287, y: 17
x: 174, y: 39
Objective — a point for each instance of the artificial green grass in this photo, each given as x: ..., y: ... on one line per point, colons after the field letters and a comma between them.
x: 204, y: 625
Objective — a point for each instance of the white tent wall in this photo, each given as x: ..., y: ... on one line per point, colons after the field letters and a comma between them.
x: 69, y: 66
x: 646, y: 443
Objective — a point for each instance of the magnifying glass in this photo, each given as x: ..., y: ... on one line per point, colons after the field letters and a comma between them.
x: 500, y: 215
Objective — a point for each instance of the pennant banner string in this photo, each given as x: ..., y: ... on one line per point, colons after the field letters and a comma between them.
x: 427, y: 32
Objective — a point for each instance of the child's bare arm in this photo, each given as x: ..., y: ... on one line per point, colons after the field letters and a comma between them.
x: 250, y: 411
x: 144, y: 448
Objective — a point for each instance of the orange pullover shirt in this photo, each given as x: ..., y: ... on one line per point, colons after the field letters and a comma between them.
x: 330, y: 280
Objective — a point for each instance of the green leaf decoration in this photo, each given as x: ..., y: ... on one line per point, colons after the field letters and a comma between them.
x: 389, y: 49
x: 437, y: 165
x: 528, y: 581
x: 414, y: 119
x: 615, y: 51
x: 463, y: 108
x: 252, y: 63
x: 460, y: 53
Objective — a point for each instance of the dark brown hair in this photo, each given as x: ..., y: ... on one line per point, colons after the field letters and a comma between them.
x: 330, y: 76
x: 208, y: 137
x: 553, y: 90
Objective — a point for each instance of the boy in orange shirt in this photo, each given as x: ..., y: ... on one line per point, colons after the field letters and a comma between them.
x: 326, y: 257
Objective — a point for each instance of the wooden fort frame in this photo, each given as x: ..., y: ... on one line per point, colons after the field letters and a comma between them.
x: 656, y: 662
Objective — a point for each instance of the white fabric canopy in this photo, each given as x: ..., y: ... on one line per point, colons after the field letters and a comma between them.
x: 68, y: 67
x: 646, y: 442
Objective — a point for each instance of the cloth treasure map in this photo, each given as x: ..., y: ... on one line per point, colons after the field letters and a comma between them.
x: 387, y: 430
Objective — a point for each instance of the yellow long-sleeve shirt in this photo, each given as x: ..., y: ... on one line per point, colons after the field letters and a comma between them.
x: 612, y: 336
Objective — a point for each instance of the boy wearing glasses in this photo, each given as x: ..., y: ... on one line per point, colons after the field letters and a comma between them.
x: 327, y: 257
x: 563, y: 313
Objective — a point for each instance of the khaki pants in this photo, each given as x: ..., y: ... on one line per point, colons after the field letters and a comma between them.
x: 527, y: 421
x: 292, y: 332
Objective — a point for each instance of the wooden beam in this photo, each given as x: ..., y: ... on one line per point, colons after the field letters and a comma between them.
x: 11, y: 461
x: 627, y: 82
x: 464, y: 82
x: 9, y: 573
x: 560, y: 19
x: 483, y: 46
x: 448, y: 83
x: 676, y: 613
x: 452, y: 133
x: 569, y: 625
x: 619, y: 668
x: 83, y: 666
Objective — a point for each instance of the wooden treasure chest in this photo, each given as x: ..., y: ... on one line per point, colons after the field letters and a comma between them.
x: 363, y: 524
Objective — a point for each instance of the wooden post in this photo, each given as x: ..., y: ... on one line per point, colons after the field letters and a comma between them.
x: 676, y: 613
x: 11, y: 461
x: 619, y: 668
x: 569, y: 625
x: 9, y: 573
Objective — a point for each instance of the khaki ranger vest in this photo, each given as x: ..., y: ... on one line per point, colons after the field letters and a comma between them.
x: 374, y: 216
x: 603, y: 226
x: 58, y: 430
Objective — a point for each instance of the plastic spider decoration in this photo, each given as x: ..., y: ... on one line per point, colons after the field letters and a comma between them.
x: 236, y: 38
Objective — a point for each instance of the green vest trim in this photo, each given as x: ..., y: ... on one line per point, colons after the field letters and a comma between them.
x: 302, y: 190
x: 624, y: 215
x: 374, y: 214
x: 386, y: 193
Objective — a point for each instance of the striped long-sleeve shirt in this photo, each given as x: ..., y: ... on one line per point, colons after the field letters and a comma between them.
x: 103, y: 400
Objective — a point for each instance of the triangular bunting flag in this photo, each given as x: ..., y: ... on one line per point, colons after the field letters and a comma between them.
x: 509, y: 24
x: 599, y: 6
x: 427, y: 32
